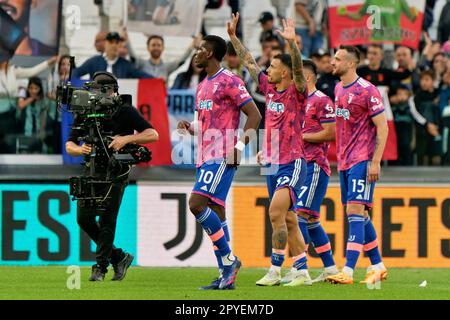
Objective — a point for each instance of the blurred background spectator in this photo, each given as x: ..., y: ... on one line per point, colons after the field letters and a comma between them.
x: 190, y: 78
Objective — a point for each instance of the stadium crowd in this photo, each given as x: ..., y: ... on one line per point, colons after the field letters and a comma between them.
x: 418, y: 81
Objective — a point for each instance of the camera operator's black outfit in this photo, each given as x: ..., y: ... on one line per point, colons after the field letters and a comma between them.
x: 124, y: 122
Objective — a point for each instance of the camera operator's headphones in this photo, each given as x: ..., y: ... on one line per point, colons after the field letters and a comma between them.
x: 106, y: 78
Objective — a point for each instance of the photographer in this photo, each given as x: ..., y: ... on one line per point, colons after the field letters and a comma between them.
x: 122, y: 125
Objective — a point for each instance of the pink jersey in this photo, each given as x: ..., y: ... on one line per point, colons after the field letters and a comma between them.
x: 219, y: 102
x: 319, y: 110
x: 285, y: 112
x: 356, y: 105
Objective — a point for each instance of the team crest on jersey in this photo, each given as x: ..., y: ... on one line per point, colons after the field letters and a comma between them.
x: 206, y: 105
x: 343, y: 113
x: 216, y: 86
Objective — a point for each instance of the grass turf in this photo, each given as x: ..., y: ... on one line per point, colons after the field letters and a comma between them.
x: 182, y: 283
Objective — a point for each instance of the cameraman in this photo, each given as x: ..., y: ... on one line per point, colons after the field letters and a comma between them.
x: 123, y: 124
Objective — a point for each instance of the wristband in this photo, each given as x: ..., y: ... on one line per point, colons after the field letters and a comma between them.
x: 240, y: 146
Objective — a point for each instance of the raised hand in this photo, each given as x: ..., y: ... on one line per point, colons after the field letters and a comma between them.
x: 289, y: 30
x: 232, y: 25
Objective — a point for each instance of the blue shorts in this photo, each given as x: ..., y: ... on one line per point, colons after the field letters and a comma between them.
x: 355, y: 186
x: 213, y: 180
x: 291, y: 175
x: 313, y: 192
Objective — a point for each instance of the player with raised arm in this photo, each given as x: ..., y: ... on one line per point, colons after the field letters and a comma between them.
x: 220, y: 99
x: 361, y: 134
x: 285, y: 90
x: 318, y: 130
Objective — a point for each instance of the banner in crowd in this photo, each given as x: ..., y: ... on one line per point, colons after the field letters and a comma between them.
x: 359, y: 22
x: 29, y: 28
x: 39, y: 226
x: 149, y: 97
x: 182, y: 18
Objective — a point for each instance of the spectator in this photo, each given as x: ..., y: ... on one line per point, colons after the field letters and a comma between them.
x: 267, y: 46
x: 191, y: 78
x: 444, y: 106
x: 405, y: 114
x: 405, y: 61
x: 267, y: 22
x: 33, y: 107
x: 375, y: 73
x: 125, y: 50
x: 299, y: 42
x: 233, y: 63
x: 9, y: 90
x: 327, y: 81
x: 111, y: 62
x: 156, y: 65
x: 438, y: 64
x: 309, y: 15
x: 428, y: 140
x: 58, y: 77
x: 315, y: 57
x: 100, y: 40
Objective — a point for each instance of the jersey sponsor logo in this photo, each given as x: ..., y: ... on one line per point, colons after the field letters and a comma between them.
x: 206, y: 105
x: 277, y: 107
x: 343, y: 113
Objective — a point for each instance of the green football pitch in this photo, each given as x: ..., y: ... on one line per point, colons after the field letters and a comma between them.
x: 183, y: 283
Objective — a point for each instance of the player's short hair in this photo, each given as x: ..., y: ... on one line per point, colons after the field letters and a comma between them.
x: 311, y: 66
x: 354, y: 51
x: 428, y: 73
x: 154, y: 36
x: 218, y: 45
x: 325, y: 54
x: 285, y: 60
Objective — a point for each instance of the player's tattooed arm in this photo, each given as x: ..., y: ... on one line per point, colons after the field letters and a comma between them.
x: 242, y: 52
x: 297, y: 64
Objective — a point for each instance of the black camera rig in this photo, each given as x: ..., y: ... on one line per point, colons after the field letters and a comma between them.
x: 93, y: 107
